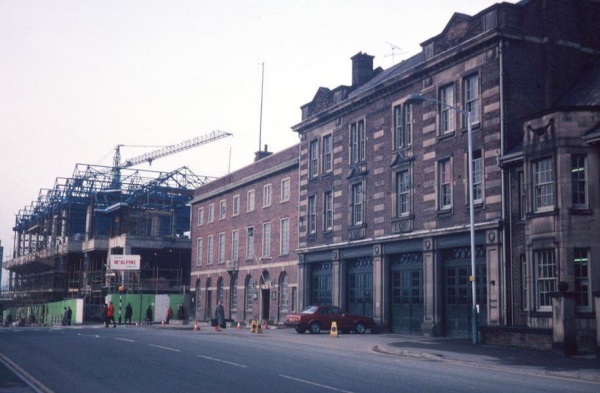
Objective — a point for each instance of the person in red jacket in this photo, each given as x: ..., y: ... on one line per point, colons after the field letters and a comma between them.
x: 110, y: 315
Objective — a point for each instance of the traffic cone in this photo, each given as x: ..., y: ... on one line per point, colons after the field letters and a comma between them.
x: 239, y: 326
x: 196, y: 326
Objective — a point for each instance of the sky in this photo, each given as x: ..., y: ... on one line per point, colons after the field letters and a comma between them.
x: 79, y: 77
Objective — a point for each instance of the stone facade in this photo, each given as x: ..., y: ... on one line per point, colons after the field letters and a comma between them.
x: 384, y: 190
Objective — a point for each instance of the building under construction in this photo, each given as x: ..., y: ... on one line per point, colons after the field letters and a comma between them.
x: 63, y: 240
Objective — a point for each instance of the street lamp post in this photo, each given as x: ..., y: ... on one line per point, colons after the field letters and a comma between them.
x: 422, y: 98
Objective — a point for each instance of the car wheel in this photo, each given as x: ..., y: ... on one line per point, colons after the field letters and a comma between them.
x: 300, y: 330
x: 314, y: 328
x: 360, y: 328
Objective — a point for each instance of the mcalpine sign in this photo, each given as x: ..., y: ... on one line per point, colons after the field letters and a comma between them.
x: 124, y: 262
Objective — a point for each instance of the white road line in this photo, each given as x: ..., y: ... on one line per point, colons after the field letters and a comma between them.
x: 167, y: 348
x: 222, y: 361
x: 124, y: 339
x: 33, y: 383
x: 315, y: 384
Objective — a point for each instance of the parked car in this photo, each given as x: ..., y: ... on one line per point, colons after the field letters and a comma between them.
x: 317, y: 318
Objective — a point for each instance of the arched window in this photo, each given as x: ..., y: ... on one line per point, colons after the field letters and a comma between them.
x: 284, y: 295
x: 234, y: 294
x: 208, y: 300
x: 220, y: 296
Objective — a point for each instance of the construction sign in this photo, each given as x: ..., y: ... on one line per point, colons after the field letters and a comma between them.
x: 334, y: 329
x: 124, y: 262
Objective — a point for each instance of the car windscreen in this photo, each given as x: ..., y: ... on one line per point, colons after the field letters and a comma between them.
x: 309, y: 310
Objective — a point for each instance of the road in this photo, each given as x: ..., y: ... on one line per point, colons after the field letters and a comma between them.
x: 136, y: 359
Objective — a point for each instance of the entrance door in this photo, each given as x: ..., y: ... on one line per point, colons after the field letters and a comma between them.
x: 265, y: 293
x: 458, y: 304
x: 407, y: 301
x: 360, y: 287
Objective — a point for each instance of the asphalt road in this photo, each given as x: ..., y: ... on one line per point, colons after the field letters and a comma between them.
x: 135, y: 359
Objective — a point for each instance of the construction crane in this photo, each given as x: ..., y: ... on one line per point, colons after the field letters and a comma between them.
x: 162, y: 152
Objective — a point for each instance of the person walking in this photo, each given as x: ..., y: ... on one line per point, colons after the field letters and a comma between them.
x: 128, y: 312
x: 110, y: 315
x: 105, y: 314
x: 64, y: 317
x: 169, y: 314
x: 69, y: 315
x: 220, y: 315
x: 149, y: 314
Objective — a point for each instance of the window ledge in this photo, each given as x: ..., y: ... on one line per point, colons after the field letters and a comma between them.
x: 444, y: 212
x: 448, y: 135
x: 581, y: 211
x: 544, y: 213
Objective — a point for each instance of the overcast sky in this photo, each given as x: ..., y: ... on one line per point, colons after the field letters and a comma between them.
x: 79, y: 77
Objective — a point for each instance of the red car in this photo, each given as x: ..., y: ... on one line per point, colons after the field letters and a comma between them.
x: 317, y: 318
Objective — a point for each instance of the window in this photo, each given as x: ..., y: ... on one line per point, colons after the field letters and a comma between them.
x: 522, y: 195
x: 444, y: 184
x: 578, y: 181
x: 249, y: 243
x: 357, y: 142
x: 266, y: 246
x: 220, y: 291
x: 209, y: 251
x: 250, y: 201
x: 285, y: 190
x: 249, y: 298
x: 312, y: 214
x: 284, y: 246
x: 447, y: 114
x: 545, y: 278
x: 284, y: 293
x: 477, y: 177
x: 472, y: 104
x: 211, y: 213
x: 313, y: 158
x: 235, y: 244
x: 357, y: 204
x: 327, y: 153
x: 236, y: 205
x: 200, y: 216
x: 199, y: 251
x: 403, y: 126
x: 234, y: 294
x: 221, y: 251
x: 402, y: 193
x: 222, y: 209
x: 328, y: 211
x: 524, y: 284
x: 543, y: 184
x: 267, y: 192
x: 583, y: 299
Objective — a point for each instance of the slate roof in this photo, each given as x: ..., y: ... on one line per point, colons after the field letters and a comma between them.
x: 586, y: 92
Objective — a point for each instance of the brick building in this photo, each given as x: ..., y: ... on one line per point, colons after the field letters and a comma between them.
x: 244, y: 235
x: 384, y: 195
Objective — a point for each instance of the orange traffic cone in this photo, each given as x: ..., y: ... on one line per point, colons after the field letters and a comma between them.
x: 196, y: 326
x: 239, y: 326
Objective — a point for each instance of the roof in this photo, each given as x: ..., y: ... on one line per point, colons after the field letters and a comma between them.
x: 586, y: 92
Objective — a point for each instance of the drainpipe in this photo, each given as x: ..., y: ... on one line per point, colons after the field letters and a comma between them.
x: 507, y: 319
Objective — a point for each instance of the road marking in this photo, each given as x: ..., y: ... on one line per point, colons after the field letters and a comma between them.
x: 33, y: 383
x: 222, y: 361
x: 124, y: 339
x: 167, y: 348
x: 315, y: 384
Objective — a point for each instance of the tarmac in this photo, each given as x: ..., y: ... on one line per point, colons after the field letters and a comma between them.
x: 460, y: 351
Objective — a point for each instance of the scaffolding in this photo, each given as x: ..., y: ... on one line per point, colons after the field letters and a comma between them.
x: 64, y: 238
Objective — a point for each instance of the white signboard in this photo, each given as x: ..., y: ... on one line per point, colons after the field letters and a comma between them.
x: 124, y: 262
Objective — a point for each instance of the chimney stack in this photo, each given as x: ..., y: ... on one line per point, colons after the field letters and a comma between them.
x: 362, y: 68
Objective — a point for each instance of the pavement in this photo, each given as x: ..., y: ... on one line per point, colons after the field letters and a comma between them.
x: 461, y: 351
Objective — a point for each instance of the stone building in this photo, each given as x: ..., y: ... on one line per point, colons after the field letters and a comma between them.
x: 244, y: 236
x: 384, y: 180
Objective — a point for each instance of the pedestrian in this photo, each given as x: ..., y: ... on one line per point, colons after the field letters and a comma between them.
x: 110, y: 315
x: 69, y: 315
x: 105, y: 314
x: 220, y: 315
x: 128, y: 312
x: 169, y: 314
x: 149, y: 314
x: 180, y: 312
x: 64, y: 317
